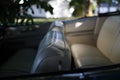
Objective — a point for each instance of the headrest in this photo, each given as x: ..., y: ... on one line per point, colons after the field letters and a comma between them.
x: 57, y: 25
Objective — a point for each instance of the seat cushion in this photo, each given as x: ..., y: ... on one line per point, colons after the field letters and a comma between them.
x: 20, y: 62
x: 88, y: 56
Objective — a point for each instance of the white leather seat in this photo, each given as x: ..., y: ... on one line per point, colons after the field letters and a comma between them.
x: 85, y: 55
x: 108, y: 46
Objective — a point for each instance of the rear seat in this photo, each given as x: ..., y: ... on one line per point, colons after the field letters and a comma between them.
x: 107, y: 50
x: 53, y: 55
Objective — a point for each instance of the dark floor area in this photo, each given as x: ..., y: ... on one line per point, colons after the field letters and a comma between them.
x: 26, y: 39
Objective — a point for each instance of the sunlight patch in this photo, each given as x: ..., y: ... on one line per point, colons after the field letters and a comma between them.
x: 78, y: 24
x: 21, y: 2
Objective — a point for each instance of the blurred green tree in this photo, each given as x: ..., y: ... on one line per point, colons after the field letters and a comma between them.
x: 82, y: 8
x: 78, y: 6
x: 10, y: 10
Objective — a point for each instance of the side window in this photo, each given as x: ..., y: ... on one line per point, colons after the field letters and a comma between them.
x: 108, y: 6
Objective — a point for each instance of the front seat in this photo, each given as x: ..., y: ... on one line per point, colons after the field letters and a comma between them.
x: 54, y: 55
x: 108, y: 46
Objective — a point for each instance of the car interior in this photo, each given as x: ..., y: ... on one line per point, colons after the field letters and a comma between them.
x: 62, y: 46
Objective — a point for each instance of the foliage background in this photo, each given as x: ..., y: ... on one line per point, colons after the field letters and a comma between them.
x: 10, y: 10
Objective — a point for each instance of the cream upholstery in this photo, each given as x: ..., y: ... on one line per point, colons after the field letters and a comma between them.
x: 98, y: 26
x: 108, y: 46
x: 82, y: 39
x: 80, y: 25
x: 80, y: 31
x: 108, y: 40
x: 85, y: 55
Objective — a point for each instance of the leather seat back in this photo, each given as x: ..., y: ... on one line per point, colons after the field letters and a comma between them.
x: 109, y: 39
x: 98, y: 26
x: 53, y: 54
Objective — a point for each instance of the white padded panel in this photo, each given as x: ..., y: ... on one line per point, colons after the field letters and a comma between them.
x: 80, y: 25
